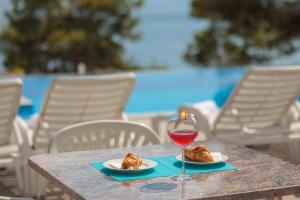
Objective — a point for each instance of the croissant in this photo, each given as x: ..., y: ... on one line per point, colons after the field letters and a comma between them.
x: 198, y: 153
x: 131, y: 160
x: 199, y: 148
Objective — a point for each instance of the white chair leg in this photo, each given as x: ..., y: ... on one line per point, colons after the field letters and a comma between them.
x: 294, y: 148
x: 19, y: 175
x: 41, y: 187
x: 25, y: 169
x: 22, y: 176
x: 29, y: 182
x: 37, y: 184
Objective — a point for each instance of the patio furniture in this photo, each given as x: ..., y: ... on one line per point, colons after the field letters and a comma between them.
x: 257, y: 112
x: 10, y: 94
x: 75, y: 99
x: 92, y: 135
x: 71, y: 100
x: 102, y: 134
x: 74, y: 175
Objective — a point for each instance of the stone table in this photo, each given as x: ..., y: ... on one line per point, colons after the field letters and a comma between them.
x: 258, y: 176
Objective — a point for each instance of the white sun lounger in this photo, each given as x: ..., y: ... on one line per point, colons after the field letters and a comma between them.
x: 257, y: 111
x: 10, y: 94
x: 75, y: 99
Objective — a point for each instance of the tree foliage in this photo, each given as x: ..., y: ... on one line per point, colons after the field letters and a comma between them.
x: 244, y: 32
x: 56, y: 35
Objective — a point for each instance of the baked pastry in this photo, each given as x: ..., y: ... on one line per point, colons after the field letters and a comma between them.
x: 198, y: 153
x: 131, y: 160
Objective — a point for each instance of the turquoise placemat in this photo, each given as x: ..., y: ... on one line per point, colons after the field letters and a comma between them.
x: 166, y: 166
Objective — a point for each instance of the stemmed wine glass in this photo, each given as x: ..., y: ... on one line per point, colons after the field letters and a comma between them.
x: 182, y: 129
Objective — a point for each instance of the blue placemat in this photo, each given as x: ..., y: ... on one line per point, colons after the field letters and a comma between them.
x: 166, y: 166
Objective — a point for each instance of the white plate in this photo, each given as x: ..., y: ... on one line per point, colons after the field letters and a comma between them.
x: 217, y: 156
x: 116, y: 164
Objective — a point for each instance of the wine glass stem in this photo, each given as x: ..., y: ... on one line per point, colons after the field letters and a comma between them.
x: 182, y: 165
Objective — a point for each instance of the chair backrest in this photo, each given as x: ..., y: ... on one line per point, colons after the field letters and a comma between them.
x: 102, y: 134
x: 75, y: 99
x: 10, y: 95
x: 260, y: 100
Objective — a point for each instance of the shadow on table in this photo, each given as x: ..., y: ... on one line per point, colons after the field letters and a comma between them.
x: 196, y: 166
x: 125, y: 174
x: 158, y: 187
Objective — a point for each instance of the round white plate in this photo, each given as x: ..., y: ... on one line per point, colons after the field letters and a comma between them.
x: 116, y: 164
x: 218, y: 158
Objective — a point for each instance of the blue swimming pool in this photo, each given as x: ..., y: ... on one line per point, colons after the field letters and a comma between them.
x: 159, y: 91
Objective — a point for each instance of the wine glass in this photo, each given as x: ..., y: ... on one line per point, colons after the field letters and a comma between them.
x: 182, y: 129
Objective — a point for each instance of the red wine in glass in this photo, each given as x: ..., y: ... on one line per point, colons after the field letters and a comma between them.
x: 182, y: 138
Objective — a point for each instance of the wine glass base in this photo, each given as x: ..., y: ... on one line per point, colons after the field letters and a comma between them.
x: 182, y: 178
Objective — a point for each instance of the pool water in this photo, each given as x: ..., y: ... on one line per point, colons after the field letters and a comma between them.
x: 158, y: 91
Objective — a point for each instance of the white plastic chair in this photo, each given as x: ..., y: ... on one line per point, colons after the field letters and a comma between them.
x: 101, y: 134
x: 10, y: 95
x: 75, y: 99
x: 257, y: 110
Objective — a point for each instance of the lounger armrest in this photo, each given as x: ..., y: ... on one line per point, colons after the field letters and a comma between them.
x: 206, y: 113
x: 23, y: 135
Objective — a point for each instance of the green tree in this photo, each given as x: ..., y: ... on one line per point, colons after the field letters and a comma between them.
x: 56, y: 35
x: 244, y: 32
